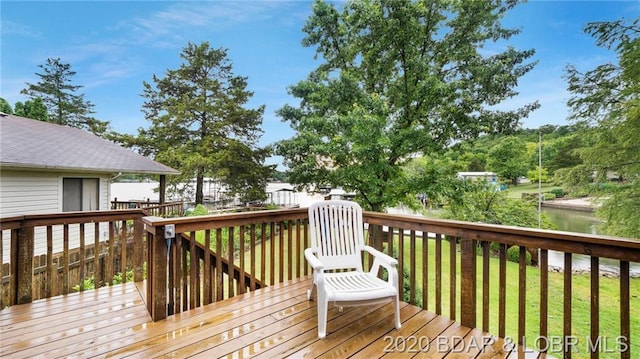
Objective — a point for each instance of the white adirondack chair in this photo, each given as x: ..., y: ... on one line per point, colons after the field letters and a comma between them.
x: 337, y: 244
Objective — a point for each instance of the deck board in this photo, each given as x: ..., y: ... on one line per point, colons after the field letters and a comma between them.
x: 274, y: 322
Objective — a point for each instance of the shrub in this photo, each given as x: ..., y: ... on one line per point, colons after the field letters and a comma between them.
x: 558, y: 191
x: 200, y: 210
x: 548, y: 196
x: 513, y: 255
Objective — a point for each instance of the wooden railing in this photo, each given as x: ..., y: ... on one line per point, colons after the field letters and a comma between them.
x: 231, y: 254
x: 168, y: 209
x: 457, y: 269
x: 50, y: 254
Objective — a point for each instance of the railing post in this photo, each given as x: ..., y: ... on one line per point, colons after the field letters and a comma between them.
x: 22, y: 246
x: 157, y: 274
x: 468, y: 283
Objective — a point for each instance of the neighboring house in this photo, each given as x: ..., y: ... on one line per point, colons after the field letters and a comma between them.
x: 490, y: 177
x: 48, y: 168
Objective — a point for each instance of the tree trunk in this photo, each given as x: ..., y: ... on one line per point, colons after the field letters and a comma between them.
x: 199, y: 187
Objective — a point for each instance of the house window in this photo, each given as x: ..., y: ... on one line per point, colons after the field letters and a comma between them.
x: 80, y: 194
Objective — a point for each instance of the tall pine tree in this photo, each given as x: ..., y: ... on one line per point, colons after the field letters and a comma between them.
x: 201, y: 126
x: 59, y: 94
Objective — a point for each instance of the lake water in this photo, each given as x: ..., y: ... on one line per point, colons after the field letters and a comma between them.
x: 581, y: 222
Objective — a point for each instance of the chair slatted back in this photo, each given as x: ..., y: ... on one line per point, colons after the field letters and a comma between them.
x: 336, y: 231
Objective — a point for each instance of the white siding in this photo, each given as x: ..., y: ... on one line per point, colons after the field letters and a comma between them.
x: 31, y: 192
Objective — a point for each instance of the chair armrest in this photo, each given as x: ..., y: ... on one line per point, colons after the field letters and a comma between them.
x: 382, y: 257
x: 314, y: 262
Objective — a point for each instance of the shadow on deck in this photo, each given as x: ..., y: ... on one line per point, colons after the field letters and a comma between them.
x: 273, y: 322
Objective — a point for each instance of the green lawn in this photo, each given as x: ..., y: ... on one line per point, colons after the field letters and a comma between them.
x: 517, y: 191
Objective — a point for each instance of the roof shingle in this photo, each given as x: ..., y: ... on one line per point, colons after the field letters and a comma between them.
x: 27, y: 143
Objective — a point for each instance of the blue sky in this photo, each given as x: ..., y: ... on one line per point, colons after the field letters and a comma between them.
x: 114, y: 46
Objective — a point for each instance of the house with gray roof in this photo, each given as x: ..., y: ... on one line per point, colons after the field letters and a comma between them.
x: 48, y: 168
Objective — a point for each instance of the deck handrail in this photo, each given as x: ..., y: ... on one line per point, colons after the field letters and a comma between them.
x: 462, y: 287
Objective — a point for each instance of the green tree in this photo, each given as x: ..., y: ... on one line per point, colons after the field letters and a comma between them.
x: 509, y: 159
x: 398, y: 78
x: 65, y: 106
x: 5, y: 107
x: 34, y: 109
x: 199, y: 124
x: 478, y: 201
x: 606, y: 100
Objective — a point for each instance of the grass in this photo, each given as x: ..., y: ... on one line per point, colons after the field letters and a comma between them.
x: 517, y: 191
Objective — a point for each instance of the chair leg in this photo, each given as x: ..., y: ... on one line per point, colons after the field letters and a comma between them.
x: 322, y: 318
x: 396, y: 309
x: 311, y: 292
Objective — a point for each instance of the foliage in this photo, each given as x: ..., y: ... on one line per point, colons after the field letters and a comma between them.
x: 508, y: 159
x: 65, y: 106
x: 199, y: 210
x: 90, y: 283
x: 5, y: 106
x: 535, y: 174
x: 513, y: 254
x: 398, y: 78
x: 34, y: 109
x: 480, y: 202
x: 557, y: 191
x: 606, y: 101
x: 200, y: 125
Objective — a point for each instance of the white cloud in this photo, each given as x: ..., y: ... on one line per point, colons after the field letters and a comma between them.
x: 9, y: 27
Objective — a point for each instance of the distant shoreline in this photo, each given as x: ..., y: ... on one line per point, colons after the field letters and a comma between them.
x: 586, y: 204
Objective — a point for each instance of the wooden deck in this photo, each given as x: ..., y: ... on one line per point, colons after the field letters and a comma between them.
x: 273, y: 322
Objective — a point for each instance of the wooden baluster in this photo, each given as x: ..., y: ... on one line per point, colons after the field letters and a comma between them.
x: 290, y: 250
x: 438, y: 273
x: 452, y: 278
x: 412, y: 267
x: 123, y: 251
x: 97, y: 277
x: 272, y: 241
x: 81, y: 257
x: 281, y: 258
x: 263, y: 254
x: 502, y: 290
x: 625, y: 323
x: 522, y: 295
x: 544, y: 298
x: 401, y: 262
x: 184, y: 273
x: 299, y: 249
x: 242, y: 286
x: 230, y: 250
x: 65, y: 259
x: 425, y: 270
x: 595, y: 307
x: 486, y: 248
x: 208, y: 291
x: 50, y: 270
x: 110, y: 255
x: 194, y: 271
x: 252, y: 254
x: 306, y: 244
x: 219, y: 281
x: 567, y: 302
